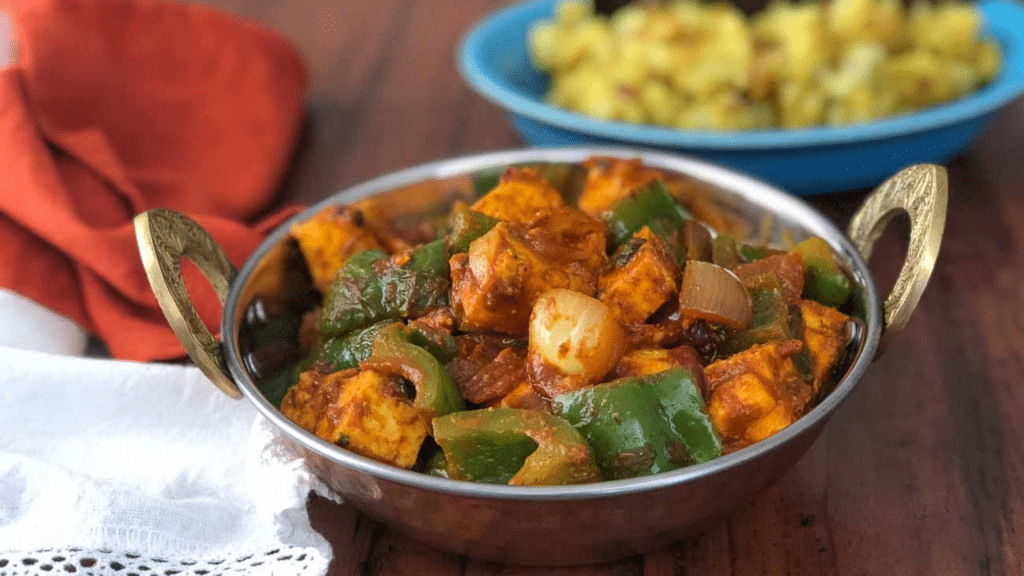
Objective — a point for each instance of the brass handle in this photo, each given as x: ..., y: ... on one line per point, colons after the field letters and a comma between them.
x: 164, y: 238
x: 921, y: 191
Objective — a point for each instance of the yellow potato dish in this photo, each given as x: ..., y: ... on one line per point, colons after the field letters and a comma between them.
x: 700, y: 66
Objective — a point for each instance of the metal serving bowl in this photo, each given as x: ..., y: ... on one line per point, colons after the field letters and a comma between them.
x: 552, y: 525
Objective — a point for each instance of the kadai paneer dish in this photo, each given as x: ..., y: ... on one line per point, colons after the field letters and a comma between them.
x: 570, y: 324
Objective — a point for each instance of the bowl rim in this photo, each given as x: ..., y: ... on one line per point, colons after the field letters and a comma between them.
x: 732, y: 182
x: 1003, y: 20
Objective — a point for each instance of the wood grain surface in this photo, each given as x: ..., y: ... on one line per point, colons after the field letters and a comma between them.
x: 921, y: 471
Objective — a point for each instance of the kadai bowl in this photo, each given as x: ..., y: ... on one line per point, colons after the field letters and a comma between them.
x: 551, y: 356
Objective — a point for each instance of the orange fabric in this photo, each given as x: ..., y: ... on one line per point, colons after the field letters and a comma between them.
x: 118, y: 106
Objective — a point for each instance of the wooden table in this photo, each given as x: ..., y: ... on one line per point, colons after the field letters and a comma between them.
x: 921, y: 471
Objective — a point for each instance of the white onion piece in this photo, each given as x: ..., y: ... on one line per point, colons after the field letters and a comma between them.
x: 715, y: 294
x: 575, y: 334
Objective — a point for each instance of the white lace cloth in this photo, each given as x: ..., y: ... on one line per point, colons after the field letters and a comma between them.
x: 110, y: 467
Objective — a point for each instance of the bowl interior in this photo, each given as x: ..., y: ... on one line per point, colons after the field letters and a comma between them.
x: 494, y: 60
x: 268, y: 283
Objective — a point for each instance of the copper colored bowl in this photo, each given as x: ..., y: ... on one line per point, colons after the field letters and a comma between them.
x: 552, y: 525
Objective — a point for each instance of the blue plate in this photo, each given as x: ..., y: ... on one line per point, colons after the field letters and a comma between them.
x: 493, y: 60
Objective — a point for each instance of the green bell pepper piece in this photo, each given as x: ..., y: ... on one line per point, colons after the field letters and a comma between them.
x: 467, y: 225
x: 348, y: 351
x: 371, y: 287
x: 436, y: 394
x: 562, y: 176
x: 624, y: 253
x: 824, y: 281
x: 725, y: 252
x: 802, y: 359
x: 436, y: 465
x: 513, y: 446
x: 356, y: 295
x: 650, y: 206
x: 825, y: 286
x: 640, y: 426
x: 275, y: 388
x: 440, y: 344
x: 567, y: 178
x: 748, y: 253
x: 769, y: 321
x: 728, y: 253
x: 431, y: 259
x: 486, y: 180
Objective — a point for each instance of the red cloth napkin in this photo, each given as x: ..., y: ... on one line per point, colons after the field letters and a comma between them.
x: 118, y: 106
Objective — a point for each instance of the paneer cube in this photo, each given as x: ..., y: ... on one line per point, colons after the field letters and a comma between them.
x: 328, y: 239
x: 756, y: 393
x: 523, y: 396
x: 824, y: 337
x: 787, y: 270
x: 489, y: 283
x: 643, y: 362
x: 365, y: 412
x: 496, y: 282
x: 521, y: 195
x: 571, y: 237
x: 643, y: 276
x: 381, y: 216
x: 306, y: 402
x: 610, y: 180
x: 647, y: 361
x: 773, y: 422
